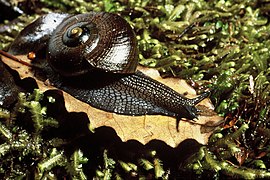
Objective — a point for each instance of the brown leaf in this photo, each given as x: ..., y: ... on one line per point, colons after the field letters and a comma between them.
x: 141, y: 128
x: 241, y: 156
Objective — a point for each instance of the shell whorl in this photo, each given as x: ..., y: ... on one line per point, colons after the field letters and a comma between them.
x: 96, y: 40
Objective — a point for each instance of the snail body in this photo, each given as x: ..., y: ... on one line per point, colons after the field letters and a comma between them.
x: 93, y: 57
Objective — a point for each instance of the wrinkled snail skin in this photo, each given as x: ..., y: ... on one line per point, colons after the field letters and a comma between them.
x: 133, y: 94
x: 94, y: 56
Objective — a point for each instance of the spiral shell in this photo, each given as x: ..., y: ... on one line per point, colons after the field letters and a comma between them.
x: 84, y: 42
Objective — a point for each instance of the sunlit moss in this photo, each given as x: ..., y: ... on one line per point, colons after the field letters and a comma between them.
x: 221, y: 45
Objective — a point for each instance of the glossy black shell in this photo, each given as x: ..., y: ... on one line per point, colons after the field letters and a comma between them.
x: 35, y: 36
x: 106, y: 42
x: 96, y: 64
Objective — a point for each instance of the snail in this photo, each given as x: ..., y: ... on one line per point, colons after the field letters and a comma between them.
x: 94, y: 57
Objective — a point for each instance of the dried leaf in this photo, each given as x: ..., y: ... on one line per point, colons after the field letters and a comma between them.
x: 241, y: 156
x: 140, y: 128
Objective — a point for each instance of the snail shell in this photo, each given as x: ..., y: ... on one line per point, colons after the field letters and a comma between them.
x: 95, y: 40
x: 93, y: 57
x: 35, y: 36
x: 80, y: 43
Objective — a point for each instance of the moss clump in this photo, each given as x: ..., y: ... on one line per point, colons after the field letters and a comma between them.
x: 218, y: 45
x: 25, y: 151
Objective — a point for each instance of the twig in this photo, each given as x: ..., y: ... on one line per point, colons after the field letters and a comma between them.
x: 12, y: 57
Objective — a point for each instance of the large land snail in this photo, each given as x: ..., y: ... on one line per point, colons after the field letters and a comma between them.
x: 93, y: 57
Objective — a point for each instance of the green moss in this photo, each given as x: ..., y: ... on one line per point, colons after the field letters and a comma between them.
x: 221, y: 45
x: 35, y: 156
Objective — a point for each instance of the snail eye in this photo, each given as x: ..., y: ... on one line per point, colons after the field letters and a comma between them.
x: 76, y: 35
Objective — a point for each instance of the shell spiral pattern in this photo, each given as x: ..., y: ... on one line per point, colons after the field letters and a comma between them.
x: 96, y: 40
